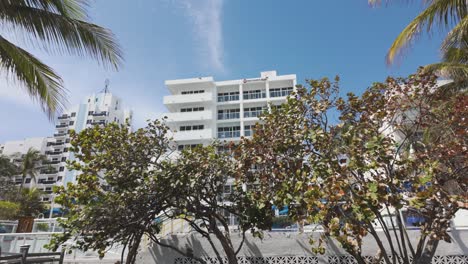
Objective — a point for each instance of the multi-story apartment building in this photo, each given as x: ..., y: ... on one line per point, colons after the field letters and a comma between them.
x: 18, y: 148
x: 201, y: 109
x: 97, y: 109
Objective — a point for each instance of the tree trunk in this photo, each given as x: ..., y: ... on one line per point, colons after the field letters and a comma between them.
x: 133, y: 249
x: 429, y: 251
x: 225, y: 243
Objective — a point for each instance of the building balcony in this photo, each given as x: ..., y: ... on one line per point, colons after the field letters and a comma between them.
x: 187, y: 98
x: 48, y: 172
x: 51, y: 162
x: 103, y: 113
x: 55, y: 143
x: 63, y: 117
x: 193, y: 135
x: 60, y: 134
x: 53, y: 153
x: 45, y: 181
x: 61, y: 126
x: 188, y: 116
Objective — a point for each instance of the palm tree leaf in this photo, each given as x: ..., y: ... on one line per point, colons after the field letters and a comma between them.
x: 40, y: 81
x: 63, y: 34
x: 454, y: 71
x: 456, y: 55
x: 457, y: 37
x: 74, y: 9
x: 441, y: 12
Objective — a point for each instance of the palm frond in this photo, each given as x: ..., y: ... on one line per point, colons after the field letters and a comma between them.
x: 457, y: 37
x: 449, y: 70
x: 40, y: 81
x: 441, y: 12
x: 63, y: 34
x: 456, y: 55
x: 74, y: 9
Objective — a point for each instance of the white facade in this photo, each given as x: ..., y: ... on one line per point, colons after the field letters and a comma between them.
x: 16, y: 149
x: 201, y: 109
x: 97, y: 109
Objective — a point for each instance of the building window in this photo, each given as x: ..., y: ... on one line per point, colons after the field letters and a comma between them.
x: 90, y: 112
x: 228, y: 114
x: 192, y: 109
x: 96, y: 100
x: 188, y: 146
x: 64, y: 159
x: 88, y: 121
x: 62, y: 168
x: 73, y: 114
x: 28, y: 180
x: 256, y: 94
x: 45, y: 199
x: 228, y: 96
x: 65, y: 149
x: 253, y: 111
x: 193, y: 92
x: 194, y: 127
x: 249, y: 130
x: 71, y: 123
x: 281, y: 92
x: 229, y: 132
x: 59, y: 178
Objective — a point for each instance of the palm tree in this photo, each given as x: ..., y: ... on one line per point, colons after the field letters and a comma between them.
x: 30, y: 164
x: 7, y: 168
x: 443, y: 14
x: 58, y: 26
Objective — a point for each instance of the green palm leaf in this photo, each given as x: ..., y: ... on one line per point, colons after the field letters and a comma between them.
x: 40, y: 81
x: 439, y: 12
x: 450, y: 70
x: 58, y: 26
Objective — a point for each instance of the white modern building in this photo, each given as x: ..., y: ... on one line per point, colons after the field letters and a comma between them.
x: 97, y: 109
x: 16, y: 150
x: 201, y: 109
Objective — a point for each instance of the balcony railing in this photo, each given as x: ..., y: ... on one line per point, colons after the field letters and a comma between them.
x: 60, y: 134
x: 51, y: 162
x: 61, y: 126
x: 224, y: 116
x: 103, y: 113
x: 48, y: 172
x: 55, y: 143
x: 228, y: 98
x: 252, y: 114
x: 63, y: 117
x: 251, y: 96
x: 102, y: 122
x: 44, y: 181
x: 229, y: 134
x: 53, y: 152
x: 188, y: 116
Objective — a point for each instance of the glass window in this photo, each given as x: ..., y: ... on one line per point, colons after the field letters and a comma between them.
x: 73, y: 114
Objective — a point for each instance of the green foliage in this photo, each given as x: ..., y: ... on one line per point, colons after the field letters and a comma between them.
x: 59, y: 27
x: 44, y: 227
x: 8, y: 210
x: 116, y: 198
x: 346, y: 173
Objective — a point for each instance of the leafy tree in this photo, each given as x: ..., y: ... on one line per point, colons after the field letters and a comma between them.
x: 60, y: 27
x: 442, y: 14
x: 128, y: 185
x: 30, y: 164
x: 345, y: 163
x: 28, y: 201
x: 198, y: 181
x: 8, y: 210
x: 116, y: 198
x: 7, y: 168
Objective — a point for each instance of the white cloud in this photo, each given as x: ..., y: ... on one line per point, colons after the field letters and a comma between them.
x: 207, y: 28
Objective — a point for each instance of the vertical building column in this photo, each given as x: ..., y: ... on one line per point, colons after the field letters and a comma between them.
x: 267, y: 90
x: 241, y: 107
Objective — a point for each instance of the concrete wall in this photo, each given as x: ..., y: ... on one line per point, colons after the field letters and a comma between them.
x: 277, y: 245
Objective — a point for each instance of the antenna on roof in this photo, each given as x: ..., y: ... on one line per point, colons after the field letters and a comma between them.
x: 106, y: 86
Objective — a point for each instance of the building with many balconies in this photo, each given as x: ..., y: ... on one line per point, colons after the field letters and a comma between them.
x: 201, y: 109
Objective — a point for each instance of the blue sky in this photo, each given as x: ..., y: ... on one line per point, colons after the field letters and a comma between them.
x: 227, y: 39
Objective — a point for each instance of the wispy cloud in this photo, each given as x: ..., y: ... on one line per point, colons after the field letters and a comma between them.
x: 207, y: 28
